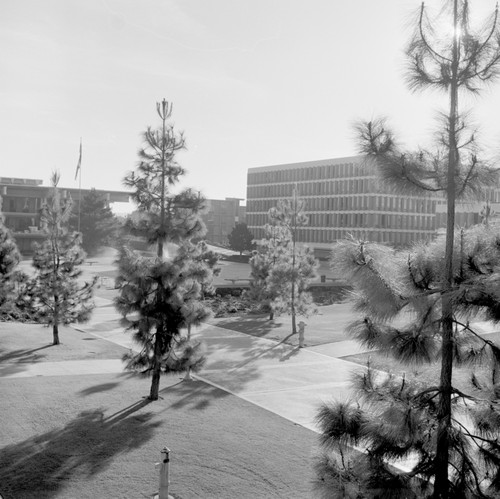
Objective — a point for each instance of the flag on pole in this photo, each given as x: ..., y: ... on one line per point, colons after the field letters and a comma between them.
x: 79, y: 165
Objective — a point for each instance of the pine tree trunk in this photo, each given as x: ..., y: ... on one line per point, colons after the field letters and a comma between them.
x: 155, y: 381
x: 55, y: 334
x: 188, y: 376
x: 441, y: 482
x: 55, y: 320
x: 271, y: 315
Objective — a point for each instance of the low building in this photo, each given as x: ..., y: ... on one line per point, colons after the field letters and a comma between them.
x: 343, y: 196
x: 220, y: 218
x: 22, y: 200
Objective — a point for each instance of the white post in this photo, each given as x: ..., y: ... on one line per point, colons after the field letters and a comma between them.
x: 164, y: 474
x: 188, y: 376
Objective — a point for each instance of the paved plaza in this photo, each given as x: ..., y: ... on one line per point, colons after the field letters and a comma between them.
x: 277, y: 376
x: 280, y: 377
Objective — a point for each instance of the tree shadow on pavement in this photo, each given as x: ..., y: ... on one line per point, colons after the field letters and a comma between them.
x: 195, y: 394
x: 280, y: 350
x: 292, y: 353
x: 278, y: 329
x: 102, y: 387
x: 41, y: 466
x: 235, y: 372
x: 22, y: 355
x: 258, y: 325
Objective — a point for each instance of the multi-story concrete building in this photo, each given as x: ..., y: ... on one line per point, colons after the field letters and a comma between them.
x: 469, y: 213
x: 22, y: 200
x: 221, y: 217
x: 343, y: 196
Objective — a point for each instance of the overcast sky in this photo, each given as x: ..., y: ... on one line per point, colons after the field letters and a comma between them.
x: 253, y: 83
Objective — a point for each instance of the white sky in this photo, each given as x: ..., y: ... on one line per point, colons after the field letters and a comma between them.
x: 253, y: 82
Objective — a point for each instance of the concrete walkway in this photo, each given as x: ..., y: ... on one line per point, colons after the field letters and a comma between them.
x: 60, y: 368
x: 281, y: 378
x: 286, y: 380
x: 289, y: 381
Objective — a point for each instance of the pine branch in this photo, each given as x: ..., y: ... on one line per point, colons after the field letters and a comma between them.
x: 486, y: 341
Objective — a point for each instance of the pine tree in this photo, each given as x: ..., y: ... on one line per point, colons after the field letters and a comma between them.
x: 290, y: 277
x: 158, y: 298
x: 9, y: 276
x: 96, y: 222
x: 275, y: 242
x: 164, y: 292
x: 56, y: 294
x: 396, y: 417
x: 276, y: 239
x: 209, y: 260
x: 289, y: 282
x: 412, y: 420
x: 240, y: 238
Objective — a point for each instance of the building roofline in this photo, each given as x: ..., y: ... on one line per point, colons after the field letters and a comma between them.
x: 307, y: 164
x: 45, y: 190
x: 20, y: 181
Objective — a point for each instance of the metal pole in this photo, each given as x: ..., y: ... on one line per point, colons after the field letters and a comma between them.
x: 79, y: 198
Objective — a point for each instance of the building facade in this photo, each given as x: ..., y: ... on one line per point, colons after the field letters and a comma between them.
x: 22, y: 200
x: 220, y: 218
x: 343, y: 196
x: 468, y: 213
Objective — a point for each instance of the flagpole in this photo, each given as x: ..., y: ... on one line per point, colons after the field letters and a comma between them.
x: 79, y: 172
x: 79, y: 198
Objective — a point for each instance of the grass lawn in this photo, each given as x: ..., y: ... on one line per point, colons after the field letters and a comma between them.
x: 427, y: 373
x: 29, y: 343
x: 95, y: 436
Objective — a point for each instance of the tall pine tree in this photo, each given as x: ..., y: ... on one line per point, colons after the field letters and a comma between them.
x: 395, y: 418
x: 275, y: 243
x: 163, y: 293
x: 57, y: 295
x: 290, y: 276
x: 436, y: 286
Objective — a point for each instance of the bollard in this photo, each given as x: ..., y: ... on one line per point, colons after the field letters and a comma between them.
x: 188, y: 376
x: 302, y: 326
x: 164, y: 474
